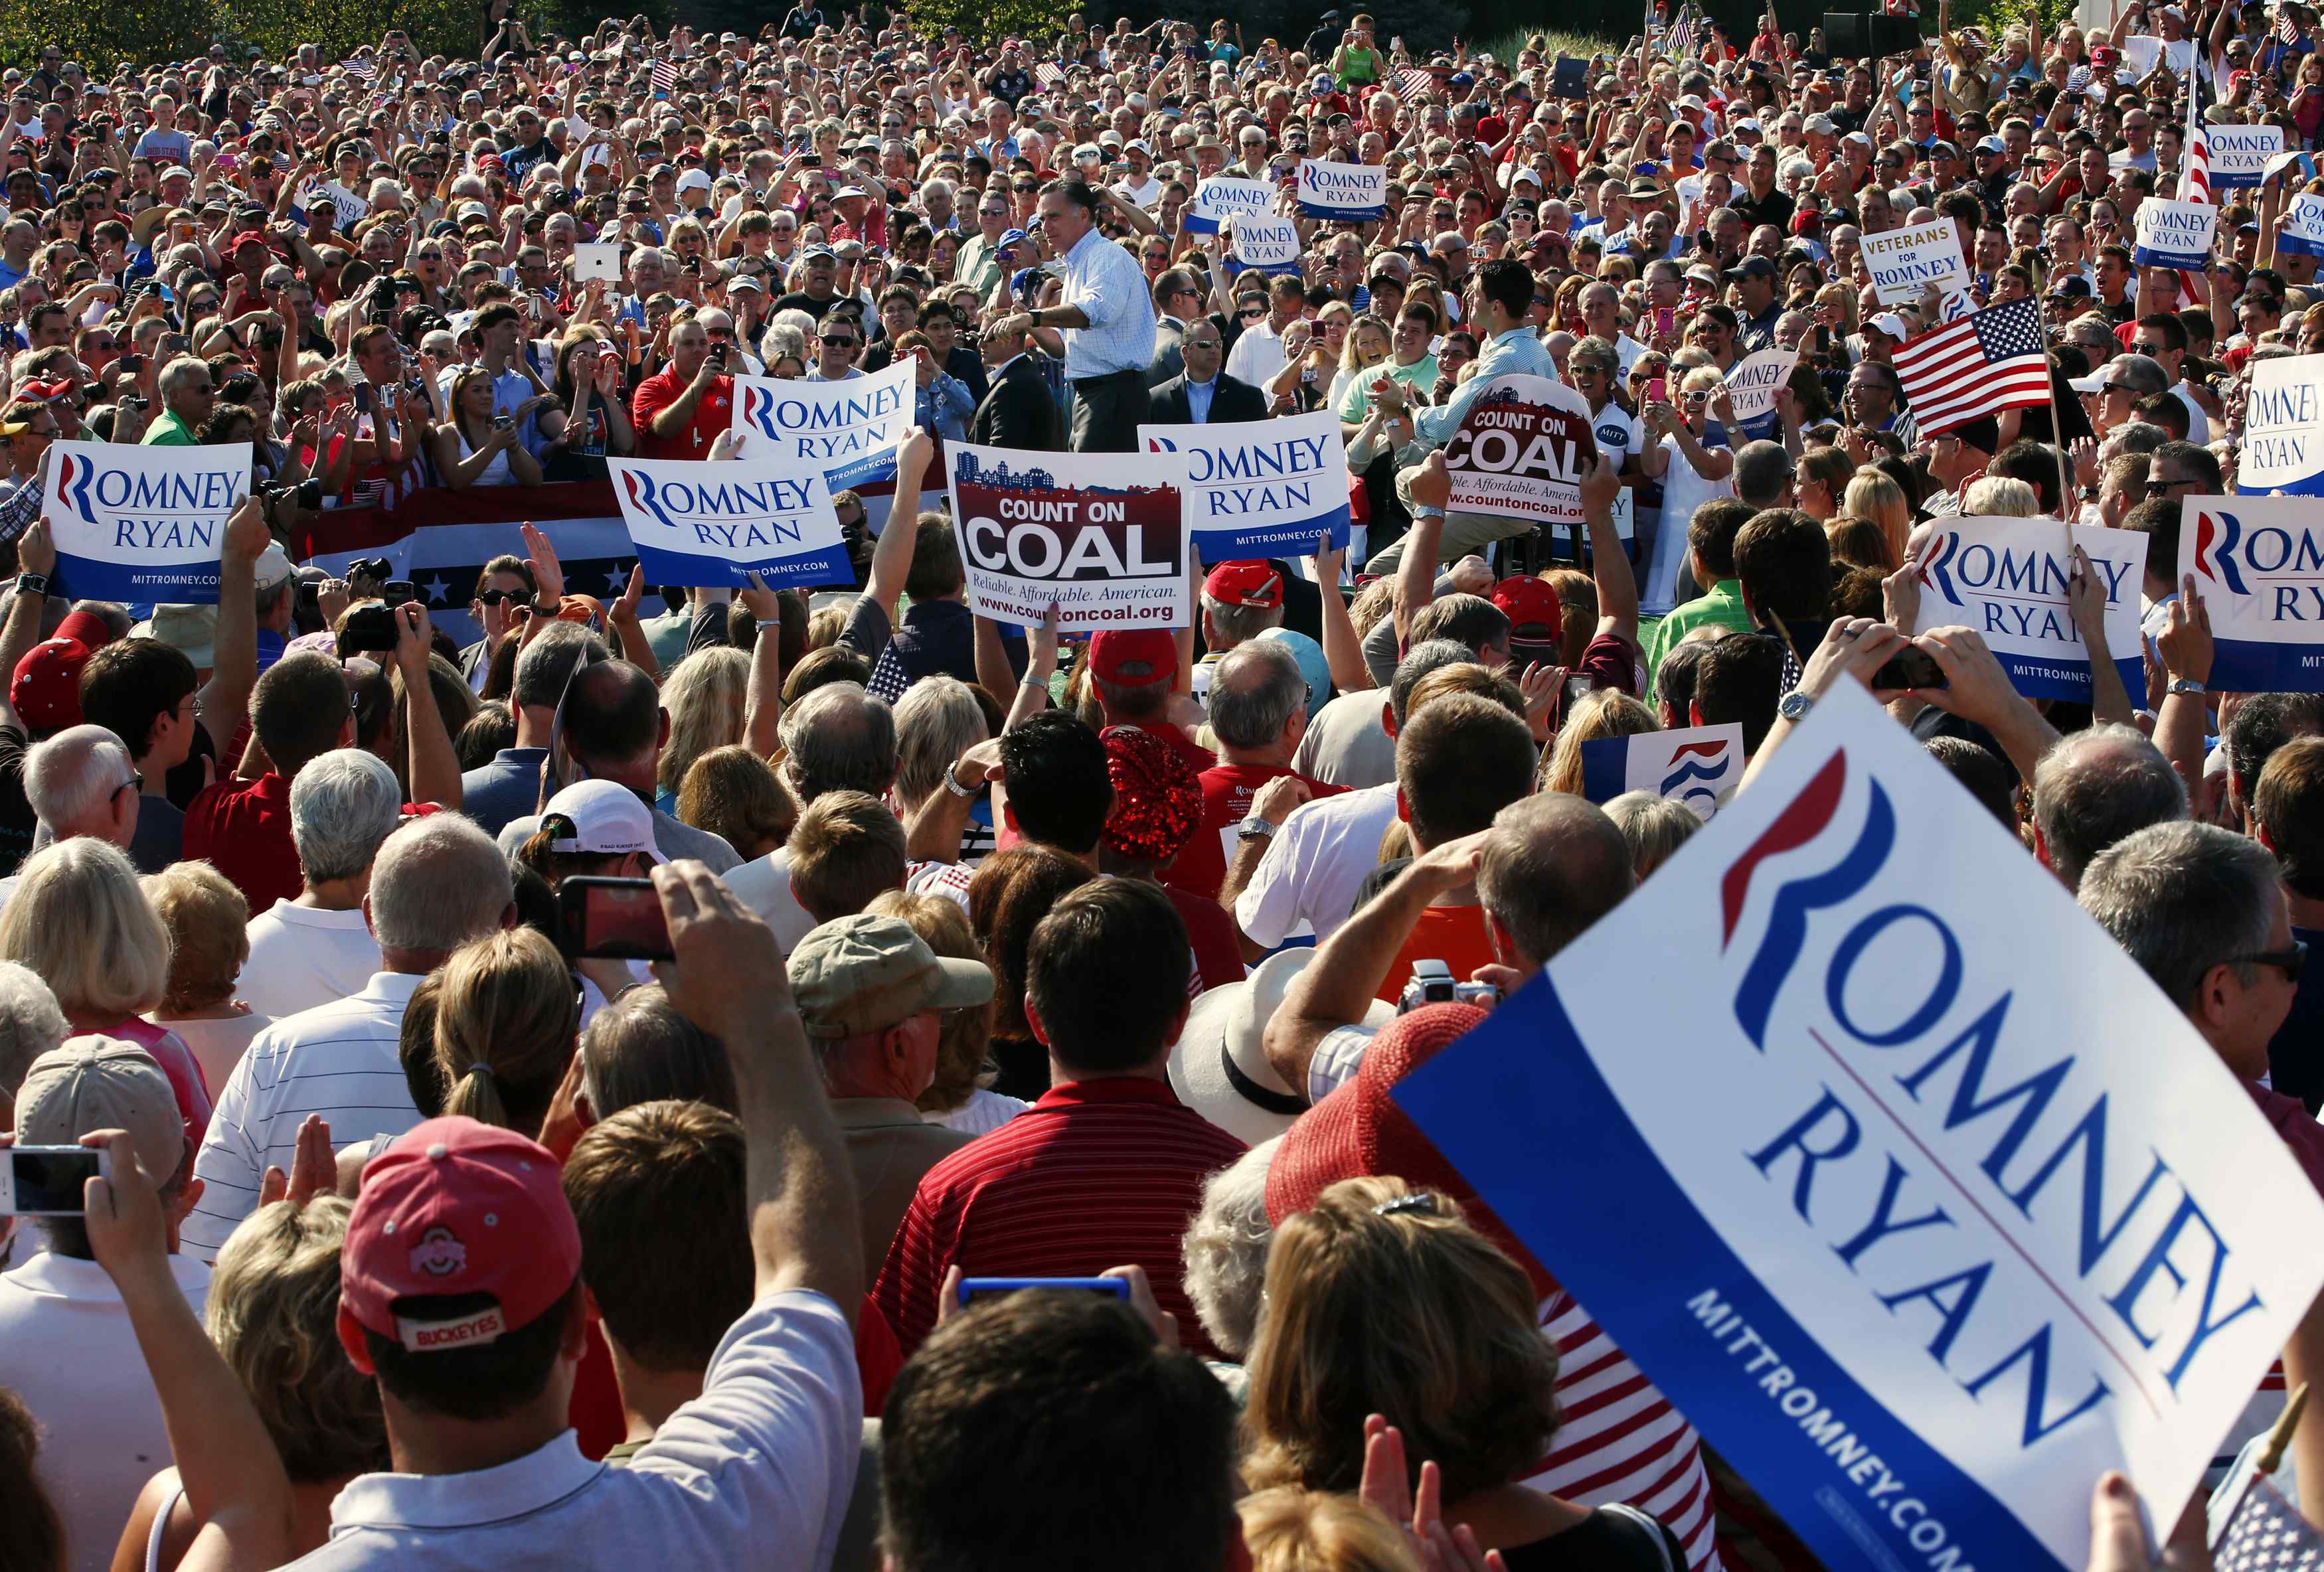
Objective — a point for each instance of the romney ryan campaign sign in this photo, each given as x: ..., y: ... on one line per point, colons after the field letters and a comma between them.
x: 1697, y: 765
x: 141, y: 524
x: 1353, y: 193
x: 1100, y: 536
x: 2283, y: 427
x: 1954, y: 1211
x: 1263, y: 245
x: 2301, y: 231
x: 1262, y: 488
x: 702, y: 522
x: 2239, y: 153
x: 2174, y: 235
x: 1223, y: 196
x: 2006, y: 578
x: 1752, y: 385
x: 851, y: 428
x: 2258, y: 563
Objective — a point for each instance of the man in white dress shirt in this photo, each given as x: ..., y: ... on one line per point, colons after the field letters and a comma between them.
x: 438, y: 883
x: 1106, y: 314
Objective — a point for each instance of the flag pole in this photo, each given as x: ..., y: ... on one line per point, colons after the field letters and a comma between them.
x: 2280, y: 1437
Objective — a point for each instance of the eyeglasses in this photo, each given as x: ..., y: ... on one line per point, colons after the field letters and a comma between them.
x: 2163, y: 487
x: 2288, y: 961
x: 844, y: 340
x: 136, y: 783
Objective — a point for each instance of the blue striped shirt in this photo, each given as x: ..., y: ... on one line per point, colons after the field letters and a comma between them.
x: 1105, y: 282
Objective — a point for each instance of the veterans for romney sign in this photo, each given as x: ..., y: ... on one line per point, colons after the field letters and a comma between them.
x: 1905, y: 261
x: 1751, y: 387
x: 1519, y: 451
x: 1269, y: 245
x: 1262, y: 488
x: 2174, y: 235
x: 2239, y: 153
x: 1221, y: 196
x: 141, y: 524
x: 2006, y: 578
x: 2258, y: 563
x: 2283, y: 428
x: 1957, y: 1210
x: 1102, y: 535
x: 850, y: 429
x: 1354, y: 193
x: 1695, y: 765
x: 700, y: 522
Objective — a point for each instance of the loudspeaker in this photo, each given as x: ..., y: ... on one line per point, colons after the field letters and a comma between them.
x: 1856, y: 36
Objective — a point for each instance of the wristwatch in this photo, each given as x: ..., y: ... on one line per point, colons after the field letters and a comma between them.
x: 1795, y: 705
x: 30, y: 584
x: 1255, y: 828
x: 2186, y: 684
x: 1423, y: 510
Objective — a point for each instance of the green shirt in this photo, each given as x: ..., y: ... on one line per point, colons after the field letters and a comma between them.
x: 168, y: 431
x: 1356, y: 398
x: 1722, y: 606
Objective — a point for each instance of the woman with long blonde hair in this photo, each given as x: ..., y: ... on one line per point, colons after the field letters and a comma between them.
x: 704, y: 699
x: 1873, y: 496
x: 1601, y: 714
x: 507, y: 1014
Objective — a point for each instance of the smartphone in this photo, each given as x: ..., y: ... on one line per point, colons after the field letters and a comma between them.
x: 132, y: 362
x: 48, y: 1182
x: 1910, y: 667
x: 972, y: 1289
x: 620, y: 919
x: 502, y: 422
x: 1666, y: 321
x: 1657, y: 391
x: 364, y: 400
x: 1823, y: 339
x: 398, y: 593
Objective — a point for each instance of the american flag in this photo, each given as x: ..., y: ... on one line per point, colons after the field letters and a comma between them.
x: 1412, y: 82
x: 2266, y: 1534
x: 363, y: 67
x: 2195, y: 173
x: 1680, y: 41
x: 1983, y: 363
x: 1049, y: 74
x: 2286, y: 29
x: 664, y: 75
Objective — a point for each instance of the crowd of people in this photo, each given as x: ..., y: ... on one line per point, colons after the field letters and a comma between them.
x: 1000, y: 957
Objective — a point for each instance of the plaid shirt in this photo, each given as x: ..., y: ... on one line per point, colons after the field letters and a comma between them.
x: 18, y: 508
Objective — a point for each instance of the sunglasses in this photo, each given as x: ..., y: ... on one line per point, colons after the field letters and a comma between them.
x: 2163, y: 487
x: 844, y: 340
x: 2288, y: 961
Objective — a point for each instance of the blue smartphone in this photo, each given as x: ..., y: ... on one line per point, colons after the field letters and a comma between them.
x: 971, y: 1288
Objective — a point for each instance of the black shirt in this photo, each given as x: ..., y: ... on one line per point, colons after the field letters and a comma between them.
x: 1775, y: 207
x: 1603, y: 1541
x: 1009, y: 86
x: 2295, y: 1058
x: 799, y: 301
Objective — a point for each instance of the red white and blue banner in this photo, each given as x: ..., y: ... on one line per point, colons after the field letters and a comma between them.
x: 1697, y: 765
x: 2239, y: 154
x: 2301, y: 230
x: 139, y: 525
x: 1100, y: 536
x: 1919, y: 1198
x: 2006, y: 578
x: 1751, y: 387
x: 2283, y: 428
x: 851, y: 428
x: 1351, y: 193
x: 2258, y: 563
x: 1224, y: 197
x: 2174, y: 235
x: 1262, y: 488
x: 697, y: 522
x: 1258, y: 243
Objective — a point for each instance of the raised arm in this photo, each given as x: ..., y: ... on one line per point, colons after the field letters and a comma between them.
x: 762, y: 702
x: 1344, y: 652
x: 891, y: 558
x: 234, y: 670
x: 2185, y: 647
x: 2086, y: 600
x: 1415, y: 572
x: 799, y: 1188
x: 434, y: 767
x: 1609, y: 564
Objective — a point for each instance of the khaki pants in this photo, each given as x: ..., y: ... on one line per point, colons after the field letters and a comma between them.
x: 1464, y: 534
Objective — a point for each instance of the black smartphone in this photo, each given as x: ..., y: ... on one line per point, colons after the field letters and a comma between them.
x: 365, y: 401
x: 399, y: 592
x: 619, y: 919
x: 1910, y: 668
x: 132, y: 362
x: 972, y: 1289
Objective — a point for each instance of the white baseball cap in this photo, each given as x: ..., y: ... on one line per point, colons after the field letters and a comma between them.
x: 608, y: 820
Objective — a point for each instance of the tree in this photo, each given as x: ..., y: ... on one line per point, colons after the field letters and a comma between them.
x: 100, y: 35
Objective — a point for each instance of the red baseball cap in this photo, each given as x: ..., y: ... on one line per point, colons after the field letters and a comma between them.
x: 45, y: 686
x: 1532, y: 606
x: 46, y: 390
x: 1152, y: 649
x: 1245, y: 583
x: 458, y: 1207
x: 1359, y: 1130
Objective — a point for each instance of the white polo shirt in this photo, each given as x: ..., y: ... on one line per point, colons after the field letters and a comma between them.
x: 338, y: 1061
x: 302, y: 957
x: 764, y: 885
x: 760, y: 1466
x: 1315, y: 865
x: 68, y: 1351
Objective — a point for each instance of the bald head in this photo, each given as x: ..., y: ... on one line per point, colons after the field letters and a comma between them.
x: 1553, y: 865
x: 2096, y: 787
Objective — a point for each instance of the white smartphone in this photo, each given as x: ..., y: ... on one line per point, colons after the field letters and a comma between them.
x: 49, y: 1181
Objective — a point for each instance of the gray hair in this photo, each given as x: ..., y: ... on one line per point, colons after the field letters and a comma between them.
x: 839, y: 738
x: 74, y: 774
x: 1553, y: 864
x: 1235, y: 624
x: 2000, y: 497
x: 1254, y: 692
x: 178, y: 372
x: 937, y: 720
x: 1652, y: 826
x: 30, y: 1024
x: 1225, y: 1250
x: 343, y: 805
x: 435, y: 884
x: 2145, y: 369
x: 1430, y: 654
x: 2096, y: 787
x: 545, y: 666
x: 2182, y: 898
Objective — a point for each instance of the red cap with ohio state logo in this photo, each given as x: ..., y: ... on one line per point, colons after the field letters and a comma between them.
x: 458, y: 1207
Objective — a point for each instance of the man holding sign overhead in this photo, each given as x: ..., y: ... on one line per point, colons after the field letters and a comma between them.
x: 1107, y: 317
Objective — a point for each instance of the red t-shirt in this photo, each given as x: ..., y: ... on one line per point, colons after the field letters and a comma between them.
x: 1227, y: 790
x: 241, y: 828
x: 1197, y: 756
x: 713, y: 413
x: 1455, y: 936
x: 1218, y: 957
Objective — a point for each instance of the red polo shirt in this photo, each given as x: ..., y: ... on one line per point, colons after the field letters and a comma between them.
x: 1227, y: 793
x: 241, y: 828
x: 1098, y: 1173
x: 713, y: 413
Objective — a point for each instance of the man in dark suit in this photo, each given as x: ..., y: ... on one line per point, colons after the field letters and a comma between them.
x: 1203, y: 394
x: 1020, y: 411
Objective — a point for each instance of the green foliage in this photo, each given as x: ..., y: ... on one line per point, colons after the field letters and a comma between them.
x: 1993, y: 15
x: 340, y: 27
x: 988, y: 21
x: 98, y: 35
